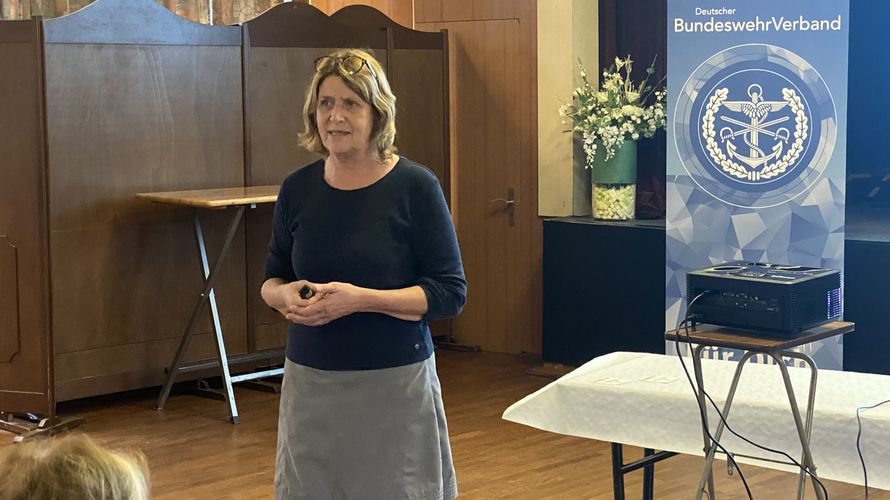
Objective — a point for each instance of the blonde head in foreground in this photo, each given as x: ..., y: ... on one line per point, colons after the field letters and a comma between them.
x: 72, y: 467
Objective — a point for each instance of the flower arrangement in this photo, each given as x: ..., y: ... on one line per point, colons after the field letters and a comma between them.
x: 619, y: 111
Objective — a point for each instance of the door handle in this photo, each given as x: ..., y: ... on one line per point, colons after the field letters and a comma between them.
x: 510, y: 203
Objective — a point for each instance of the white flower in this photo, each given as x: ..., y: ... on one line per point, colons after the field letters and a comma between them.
x: 630, y: 110
x: 615, y: 111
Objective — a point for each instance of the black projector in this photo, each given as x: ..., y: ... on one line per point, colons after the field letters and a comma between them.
x: 772, y: 299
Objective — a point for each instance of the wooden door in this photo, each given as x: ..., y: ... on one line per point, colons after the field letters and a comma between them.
x: 493, y: 106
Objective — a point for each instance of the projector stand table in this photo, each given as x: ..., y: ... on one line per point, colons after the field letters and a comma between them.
x: 702, y: 336
x: 237, y: 198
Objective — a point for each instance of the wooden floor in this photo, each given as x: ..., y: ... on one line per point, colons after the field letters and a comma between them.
x: 194, y: 454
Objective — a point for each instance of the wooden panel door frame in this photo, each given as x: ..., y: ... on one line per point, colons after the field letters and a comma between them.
x: 32, y: 285
x: 124, y: 271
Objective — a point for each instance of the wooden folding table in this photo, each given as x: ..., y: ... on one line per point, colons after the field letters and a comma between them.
x: 235, y: 199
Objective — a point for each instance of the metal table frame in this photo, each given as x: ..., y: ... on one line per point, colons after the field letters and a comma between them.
x: 27, y: 428
x: 215, y: 198
x: 712, y: 336
x: 647, y: 463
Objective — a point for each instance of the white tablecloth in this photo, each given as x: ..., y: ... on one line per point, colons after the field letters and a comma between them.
x: 645, y: 400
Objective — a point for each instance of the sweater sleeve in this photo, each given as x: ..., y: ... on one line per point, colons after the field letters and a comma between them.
x: 436, y: 254
x: 278, y: 261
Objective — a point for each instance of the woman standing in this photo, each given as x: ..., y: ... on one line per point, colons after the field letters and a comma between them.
x: 363, y: 255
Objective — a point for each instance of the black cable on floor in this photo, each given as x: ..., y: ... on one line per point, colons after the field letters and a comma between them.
x: 701, y: 410
x: 859, y: 436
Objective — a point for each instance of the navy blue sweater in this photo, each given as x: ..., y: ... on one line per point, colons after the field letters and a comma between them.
x: 393, y: 234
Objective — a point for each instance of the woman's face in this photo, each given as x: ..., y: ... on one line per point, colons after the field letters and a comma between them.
x: 343, y: 118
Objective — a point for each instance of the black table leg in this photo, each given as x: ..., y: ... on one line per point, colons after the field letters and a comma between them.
x: 648, y: 476
x: 617, y: 472
x: 647, y: 463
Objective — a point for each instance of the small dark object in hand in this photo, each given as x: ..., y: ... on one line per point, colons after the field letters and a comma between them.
x: 306, y: 292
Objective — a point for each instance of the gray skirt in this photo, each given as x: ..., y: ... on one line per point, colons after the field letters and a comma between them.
x: 371, y: 434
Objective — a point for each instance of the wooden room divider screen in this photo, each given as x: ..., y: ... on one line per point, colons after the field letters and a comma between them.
x: 124, y: 97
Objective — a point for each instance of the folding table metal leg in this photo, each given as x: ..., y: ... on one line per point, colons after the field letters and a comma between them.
x: 703, y: 408
x: 206, y: 293
x: 47, y: 426
x: 707, y: 474
x: 803, y: 430
x: 648, y: 476
x: 811, y: 402
x: 647, y: 463
x: 617, y: 472
x: 217, y: 327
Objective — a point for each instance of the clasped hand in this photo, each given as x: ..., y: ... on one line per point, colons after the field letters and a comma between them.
x: 329, y: 302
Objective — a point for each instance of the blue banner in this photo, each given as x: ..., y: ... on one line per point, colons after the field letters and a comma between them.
x: 757, y: 106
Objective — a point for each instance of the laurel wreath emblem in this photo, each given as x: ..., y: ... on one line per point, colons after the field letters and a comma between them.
x: 769, y: 170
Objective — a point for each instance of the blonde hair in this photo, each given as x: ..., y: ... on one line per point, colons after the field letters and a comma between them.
x: 371, y: 85
x: 73, y: 467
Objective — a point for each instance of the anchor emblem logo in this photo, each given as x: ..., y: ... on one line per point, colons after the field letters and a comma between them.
x: 752, y: 146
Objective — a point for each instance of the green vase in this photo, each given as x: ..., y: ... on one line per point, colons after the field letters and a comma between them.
x: 614, y: 182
